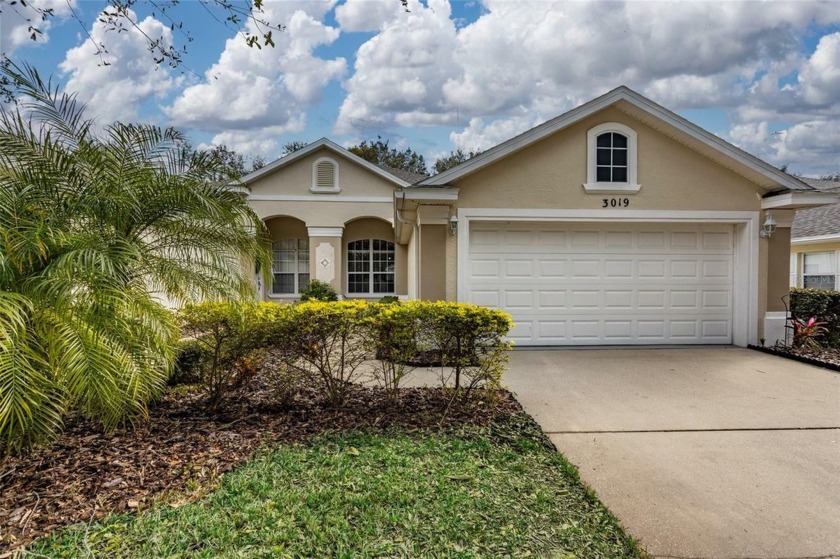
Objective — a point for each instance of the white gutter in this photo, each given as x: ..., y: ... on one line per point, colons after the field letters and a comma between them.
x: 832, y: 238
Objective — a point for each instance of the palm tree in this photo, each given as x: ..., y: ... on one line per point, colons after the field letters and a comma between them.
x: 96, y: 226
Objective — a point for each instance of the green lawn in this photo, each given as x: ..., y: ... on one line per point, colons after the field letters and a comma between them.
x: 499, y: 493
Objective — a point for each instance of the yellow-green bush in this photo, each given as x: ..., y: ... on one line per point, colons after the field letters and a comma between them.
x: 332, y: 345
x: 328, y: 341
x: 223, y: 335
x: 470, y: 340
x: 394, y: 336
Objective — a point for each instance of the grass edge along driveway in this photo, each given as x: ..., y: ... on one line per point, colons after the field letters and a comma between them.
x: 497, y: 491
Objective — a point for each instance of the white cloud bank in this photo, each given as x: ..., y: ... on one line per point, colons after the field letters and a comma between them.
x: 521, y: 63
x: 16, y: 20
x: 117, y: 84
x: 254, y: 96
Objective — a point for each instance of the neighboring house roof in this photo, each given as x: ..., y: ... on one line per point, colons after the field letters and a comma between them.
x: 312, y: 148
x: 652, y: 114
x: 822, y: 185
x: 821, y: 223
x: 407, y: 176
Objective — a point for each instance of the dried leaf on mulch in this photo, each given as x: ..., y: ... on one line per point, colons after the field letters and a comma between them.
x: 181, y: 451
x: 824, y: 354
x: 827, y: 356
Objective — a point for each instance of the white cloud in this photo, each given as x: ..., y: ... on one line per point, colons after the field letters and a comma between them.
x: 810, y: 146
x: 366, y: 15
x: 16, y: 20
x: 116, y: 90
x: 542, y: 58
x: 480, y: 136
x: 400, y: 72
x: 250, y: 96
x: 820, y: 76
x: 802, y: 93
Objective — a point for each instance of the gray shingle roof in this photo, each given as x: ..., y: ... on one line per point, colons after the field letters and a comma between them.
x: 407, y: 176
x: 816, y: 222
x: 822, y: 184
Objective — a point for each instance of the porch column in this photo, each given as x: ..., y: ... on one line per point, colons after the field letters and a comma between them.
x: 325, y: 252
x: 778, y: 276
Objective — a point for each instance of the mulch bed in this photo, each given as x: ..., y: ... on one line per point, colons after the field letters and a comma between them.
x: 181, y: 451
x: 826, y: 357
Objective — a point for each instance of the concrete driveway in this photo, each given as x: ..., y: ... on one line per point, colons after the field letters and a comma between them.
x: 701, y: 453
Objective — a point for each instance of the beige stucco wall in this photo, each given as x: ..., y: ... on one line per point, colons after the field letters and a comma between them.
x: 318, y: 271
x: 296, y: 178
x: 433, y: 262
x: 551, y: 173
x: 332, y: 213
x: 411, y: 266
x: 286, y: 228
x: 778, y: 269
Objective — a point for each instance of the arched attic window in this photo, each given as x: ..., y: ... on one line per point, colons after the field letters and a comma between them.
x: 611, y: 160
x: 325, y: 175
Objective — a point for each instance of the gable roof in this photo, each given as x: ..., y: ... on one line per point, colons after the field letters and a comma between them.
x: 407, y: 176
x: 818, y: 222
x: 323, y: 143
x: 645, y: 110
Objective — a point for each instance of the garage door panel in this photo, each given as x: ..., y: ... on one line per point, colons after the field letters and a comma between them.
x: 587, y: 284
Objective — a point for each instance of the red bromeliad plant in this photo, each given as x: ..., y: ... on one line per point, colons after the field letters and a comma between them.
x: 806, y: 333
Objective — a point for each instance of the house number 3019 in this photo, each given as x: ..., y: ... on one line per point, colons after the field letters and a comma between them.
x: 615, y: 202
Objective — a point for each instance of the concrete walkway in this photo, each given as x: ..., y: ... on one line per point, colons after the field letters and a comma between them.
x: 701, y: 453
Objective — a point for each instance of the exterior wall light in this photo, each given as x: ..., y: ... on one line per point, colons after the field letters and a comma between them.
x: 453, y: 225
x: 769, y: 227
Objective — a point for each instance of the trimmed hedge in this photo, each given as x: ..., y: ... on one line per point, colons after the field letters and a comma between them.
x: 824, y: 304
x: 332, y: 345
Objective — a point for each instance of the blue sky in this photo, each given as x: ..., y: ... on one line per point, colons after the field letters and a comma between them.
x: 446, y: 75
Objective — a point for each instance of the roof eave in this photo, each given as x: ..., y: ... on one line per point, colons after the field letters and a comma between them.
x: 816, y: 239
x: 621, y: 93
x: 313, y: 147
x: 798, y: 200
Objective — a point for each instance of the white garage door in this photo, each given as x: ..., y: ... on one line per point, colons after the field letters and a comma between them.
x: 598, y: 284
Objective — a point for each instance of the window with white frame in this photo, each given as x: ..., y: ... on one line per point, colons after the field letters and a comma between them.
x: 611, y: 159
x: 819, y: 270
x: 289, y: 266
x: 325, y: 175
x: 371, y: 264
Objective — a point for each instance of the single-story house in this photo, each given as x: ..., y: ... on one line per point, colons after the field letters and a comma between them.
x: 815, y: 243
x: 616, y: 223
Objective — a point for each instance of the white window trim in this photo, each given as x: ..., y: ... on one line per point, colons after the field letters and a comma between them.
x: 592, y: 185
x: 370, y: 294
x: 336, y: 185
x: 835, y: 261
x: 271, y: 294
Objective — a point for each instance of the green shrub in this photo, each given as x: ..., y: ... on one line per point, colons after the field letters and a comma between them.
x: 470, y: 340
x: 228, y: 334
x: 394, y: 335
x: 333, y: 344
x: 327, y: 342
x: 389, y: 300
x: 318, y: 291
x: 822, y: 304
